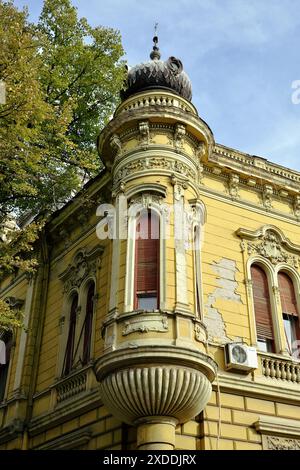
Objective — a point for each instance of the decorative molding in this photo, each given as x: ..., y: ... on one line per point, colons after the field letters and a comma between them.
x: 271, y: 243
x: 145, y: 323
x: 280, y: 443
x: 179, y: 135
x: 139, y: 392
x: 233, y: 185
x: 274, y: 426
x: 256, y: 166
x: 116, y: 144
x: 296, y: 206
x: 84, y: 264
x: 71, y: 386
x: 246, y: 204
x: 153, y: 163
x: 150, y: 99
x: 70, y: 441
x: 267, y: 196
x: 275, y: 390
x: 200, y: 150
x: 153, y: 188
x: 12, y: 430
x: 144, y: 133
x: 200, y: 333
x: 200, y: 173
x: 70, y: 409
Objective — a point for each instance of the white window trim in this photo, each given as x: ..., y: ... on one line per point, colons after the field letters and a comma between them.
x: 130, y: 256
x: 276, y: 309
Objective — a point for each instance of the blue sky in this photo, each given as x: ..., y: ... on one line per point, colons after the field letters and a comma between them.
x: 241, y: 55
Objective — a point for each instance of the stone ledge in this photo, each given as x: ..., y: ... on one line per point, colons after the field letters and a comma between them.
x: 79, y: 405
x: 67, y: 442
x: 277, y: 426
x: 164, y: 355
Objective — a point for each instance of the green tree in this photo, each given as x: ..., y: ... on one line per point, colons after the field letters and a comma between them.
x: 62, y: 80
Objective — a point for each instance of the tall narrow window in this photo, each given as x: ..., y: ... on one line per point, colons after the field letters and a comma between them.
x: 88, y: 324
x: 262, y: 308
x: 197, y: 274
x: 147, y: 261
x: 6, y: 345
x: 69, y: 354
x: 289, y: 310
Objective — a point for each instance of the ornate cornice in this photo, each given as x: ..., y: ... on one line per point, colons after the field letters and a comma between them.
x: 256, y: 167
x: 155, y: 113
x: 160, y: 160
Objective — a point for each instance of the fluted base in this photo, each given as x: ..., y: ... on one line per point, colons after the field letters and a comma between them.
x: 176, y: 392
x: 166, y: 381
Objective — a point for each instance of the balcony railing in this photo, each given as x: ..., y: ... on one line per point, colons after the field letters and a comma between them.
x: 71, y: 387
x: 280, y: 368
x: 77, y: 382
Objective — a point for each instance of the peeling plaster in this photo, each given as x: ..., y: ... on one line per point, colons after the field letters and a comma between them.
x: 226, y: 290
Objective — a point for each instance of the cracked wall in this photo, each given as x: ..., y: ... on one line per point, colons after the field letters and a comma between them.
x: 226, y: 270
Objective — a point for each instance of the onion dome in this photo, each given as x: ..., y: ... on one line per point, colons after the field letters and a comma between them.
x: 157, y: 74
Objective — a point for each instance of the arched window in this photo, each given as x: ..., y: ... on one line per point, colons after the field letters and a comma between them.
x: 88, y: 323
x: 289, y: 310
x: 262, y: 309
x: 5, y: 351
x: 147, y: 261
x: 69, y: 354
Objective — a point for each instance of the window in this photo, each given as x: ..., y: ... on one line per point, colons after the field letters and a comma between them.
x: 262, y: 309
x: 289, y: 311
x: 69, y: 354
x: 88, y: 323
x: 197, y: 274
x: 5, y: 352
x: 147, y: 261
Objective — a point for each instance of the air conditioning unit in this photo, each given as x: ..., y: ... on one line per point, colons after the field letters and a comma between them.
x: 240, y: 356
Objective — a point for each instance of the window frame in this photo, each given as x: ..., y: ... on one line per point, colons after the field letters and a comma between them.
x: 147, y: 294
x: 10, y: 340
x: 272, y: 276
x: 133, y: 211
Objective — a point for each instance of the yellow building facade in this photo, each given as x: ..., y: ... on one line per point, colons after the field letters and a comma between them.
x: 189, y: 364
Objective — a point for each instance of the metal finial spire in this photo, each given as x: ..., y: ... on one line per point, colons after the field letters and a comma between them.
x: 155, y: 54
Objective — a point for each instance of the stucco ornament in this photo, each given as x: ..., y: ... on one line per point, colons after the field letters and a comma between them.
x: 270, y: 243
x: 233, y: 186
x: 83, y: 265
x: 267, y: 196
x: 144, y: 132
x: 280, y: 443
x: 270, y: 248
x: 116, y: 144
